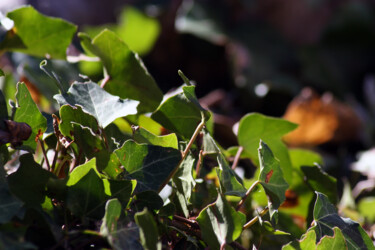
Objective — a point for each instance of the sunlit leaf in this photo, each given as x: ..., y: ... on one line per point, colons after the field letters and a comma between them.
x: 148, y: 230
x: 75, y: 114
x: 109, y: 224
x: 307, y: 242
x: 141, y: 135
x: 229, y: 181
x: 337, y: 241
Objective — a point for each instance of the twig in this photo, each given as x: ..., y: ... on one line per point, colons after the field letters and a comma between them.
x: 192, y: 223
x: 237, y: 157
x: 255, y: 219
x: 44, y: 154
x: 199, y: 163
x: 246, y: 195
x: 55, y: 156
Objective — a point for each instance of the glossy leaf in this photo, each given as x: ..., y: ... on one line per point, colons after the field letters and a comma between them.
x: 29, y: 182
x: 220, y: 223
x: 255, y: 127
x: 141, y: 135
x: 326, y: 218
x: 148, y: 230
x: 38, y: 34
x: 271, y: 178
x: 169, y: 114
x: 128, y: 76
x: 109, y: 224
x: 97, y: 102
x: 230, y: 183
x: 28, y: 112
x: 75, y: 114
x: 150, y: 165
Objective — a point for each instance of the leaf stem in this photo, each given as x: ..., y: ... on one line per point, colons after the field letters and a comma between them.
x: 246, y: 195
x: 192, y: 223
x: 237, y: 157
x: 105, y: 80
x: 255, y: 219
x: 44, y: 154
x: 199, y: 163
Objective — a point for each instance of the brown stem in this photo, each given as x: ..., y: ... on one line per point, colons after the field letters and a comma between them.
x: 255, y: 219
x: 44, y: 154
x: 246, y: 195
x: 237, y: 157
x: 199, y: 163
x: 237, y: 245
x: 56, y: 155
x: 192, y: 223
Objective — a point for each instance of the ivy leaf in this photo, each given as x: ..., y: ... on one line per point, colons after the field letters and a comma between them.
x: 109, y: 225
x: 149, y: 199
x: 220, y: 223
x: 129, y: 78
x: 150, y: 165
x: 337, y: 241
x: 29, y: 182
x: 75, y: 114
x: 181, y: 113
x: 142, y: 135
x: 28, y: 112
x: 255, y: 127
x: 271, y: 178
x: 307, y: 242
x: 229, y: 181
x: 86, y: 198
x: 122, y: 190
x: 148, y: 230
x: 321, y: 181
x: 37, y: 34
x: 97, y: 102
x: 326, y: 218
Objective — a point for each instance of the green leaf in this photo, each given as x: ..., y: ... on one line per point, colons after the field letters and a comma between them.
x: 141, y: 135
x: 76, y: 114
x: 3, y: 107
x: 230, y: 183
x: 122, y: 190
x: 366, y: 208
x: 97, y: 102
x: 86, y: 198
x: 321, y: 181
x: 109, y: 224
x: 220, y: 223
x: 271, y: 178
x: 181, y: 113
x: 1, y: 73
x: 255, y: 127
x: 40, y: 35
x: 326, y: 218
x: 28, y: 112
x: 150, y: 165
x: 337, y: 241
x: 209, y: 144
x: 148, y: 230
x: 80, y: 171
x: 128, y: 76
x: 184, y: 182
x: 307, y: 242
x: 29, y: 182
x: 149, y: 199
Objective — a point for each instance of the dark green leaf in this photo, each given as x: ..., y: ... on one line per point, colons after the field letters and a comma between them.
x: 1, y: 73
x: 320, y: 181
x: 3, y: 107
x: 28, y: 112
x: 97, y: 102
x: 29, y: 182
x: 167, y: 210
x: 326, y: 218
x: 109, y: 225
x: 337, y: 241
x: 115, y: 137
x: 220, y: 223
x: 69, y: 114
x: 149, y: 199
x: 141, y: 135
x: 181, y: 113
x: 271, y: 178
x: 122, y: 190
x: 86, y: 198
x: 209, y: 144
x: 255, y: 127
x: 40, y: 35
x: 148, y: 231
x: 128, y: 76
x: 230, y: 183
x: 150, y: 165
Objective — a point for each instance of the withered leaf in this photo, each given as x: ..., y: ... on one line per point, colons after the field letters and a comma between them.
x: 14, y: 133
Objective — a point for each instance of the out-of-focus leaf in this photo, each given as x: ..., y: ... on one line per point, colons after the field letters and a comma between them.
x: 220, y: 223
x: 366, y: 207
x: 169, y: 114
x: 69, y: 114
x: 307, y: 242
x: 128, y: 76
x: 86, y: 198
x: 150, y: 165
x: 365, y: 164
x: 28, y: 112
x: 167, y: 210
x: 109, y: 225
x: 141, y: 135
x: 148, y: 230
x: 229, y: 181
x: 337, y: 241
x: 320, y: 181
x: 1, y: 73
x: 184, y: 181
x: 326, y: 218
x: 3, y: 107
x: 271, y: 178
x: 255, y: 127
x: 97, y: 102
x: 149, y: 199
x: 303, y: 157
x: 39, y: 35
x: 29, y: 182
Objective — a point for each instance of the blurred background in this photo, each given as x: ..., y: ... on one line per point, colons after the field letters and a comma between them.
x: 309, y: 61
